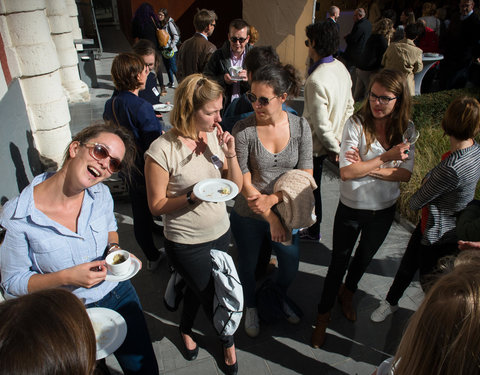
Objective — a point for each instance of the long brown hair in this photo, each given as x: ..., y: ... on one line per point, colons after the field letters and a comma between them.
x: 396, y: 83
x: 443, y: 336
x: 46, y: 332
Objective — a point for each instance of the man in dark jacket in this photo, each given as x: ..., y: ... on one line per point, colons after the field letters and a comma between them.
x: 195, y: 52
x: 226, y: 66
x: 357, y: 38
x: 461, y: 47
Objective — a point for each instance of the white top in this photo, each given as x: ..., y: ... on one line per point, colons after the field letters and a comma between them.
x: 368, y: 193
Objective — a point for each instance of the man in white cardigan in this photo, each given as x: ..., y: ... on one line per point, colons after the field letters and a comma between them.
x: 328, y: 104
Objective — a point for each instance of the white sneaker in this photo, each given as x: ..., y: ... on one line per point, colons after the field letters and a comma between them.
x: 252, y: 325
x: 382, y: 311
x: 291, y: 316
x: 152, y: 265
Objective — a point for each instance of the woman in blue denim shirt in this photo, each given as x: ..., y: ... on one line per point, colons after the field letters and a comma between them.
x: 59, y: 228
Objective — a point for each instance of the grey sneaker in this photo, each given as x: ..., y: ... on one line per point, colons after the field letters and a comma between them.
x: 252, y: 325
x: 382, y: 311
x: 291, y: 316
x: 152, y: 265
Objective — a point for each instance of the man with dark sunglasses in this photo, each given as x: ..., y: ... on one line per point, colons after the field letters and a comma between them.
x: 226, y: 66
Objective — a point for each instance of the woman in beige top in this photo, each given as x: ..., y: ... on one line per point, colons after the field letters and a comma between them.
x: 195, y: 149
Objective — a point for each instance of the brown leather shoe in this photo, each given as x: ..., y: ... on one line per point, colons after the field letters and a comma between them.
x: 345, y: 297
x: 320, y: 331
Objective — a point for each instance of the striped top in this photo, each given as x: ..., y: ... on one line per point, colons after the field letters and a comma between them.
x: 447, y: 189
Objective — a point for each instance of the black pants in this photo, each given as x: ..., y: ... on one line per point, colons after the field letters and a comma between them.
x: 194, y: 264
x: 142, y: 221
x: 417, y: 257
x: 314, y: 230
x: 349, y: 222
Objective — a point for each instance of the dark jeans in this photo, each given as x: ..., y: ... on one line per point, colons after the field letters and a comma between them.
x: 417, y: 257
x: 142, y: 221
x: 314, y: 230
x: 171, y: 67
x: 194, y: 264
x: 349, y: 222
x: 249, y: 236
x: 135, y: 355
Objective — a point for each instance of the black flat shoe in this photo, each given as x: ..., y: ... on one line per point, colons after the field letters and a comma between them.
x: 231, y: 369
x: 192, y: 354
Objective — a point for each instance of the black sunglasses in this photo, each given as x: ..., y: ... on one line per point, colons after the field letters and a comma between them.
x: 252, y: 98
x: 100, y: 152
x: 234, y: 39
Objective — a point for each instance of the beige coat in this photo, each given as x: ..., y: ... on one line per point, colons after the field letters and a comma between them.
x: 405, y: 57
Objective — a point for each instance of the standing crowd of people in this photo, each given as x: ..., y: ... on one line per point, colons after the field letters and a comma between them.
x: 230, y: 120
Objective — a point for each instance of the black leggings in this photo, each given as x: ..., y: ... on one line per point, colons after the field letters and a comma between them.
x: 349, y: 223
x: 417, y: 257
x: 194, y: 264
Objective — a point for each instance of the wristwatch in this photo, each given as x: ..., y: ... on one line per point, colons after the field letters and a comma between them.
x: 189, y: 198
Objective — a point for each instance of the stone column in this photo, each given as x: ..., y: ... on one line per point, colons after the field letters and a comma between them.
x: 32, y: 58
x: 61, y: 30
x: 72, y: 12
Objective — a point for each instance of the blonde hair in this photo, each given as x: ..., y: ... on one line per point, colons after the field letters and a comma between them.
x: 193, y: 93
x: 384, y: 27
x: 443, y: 336
x: 429, y: 9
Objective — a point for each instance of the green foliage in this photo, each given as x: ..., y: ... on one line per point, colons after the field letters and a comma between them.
x: 428, y: 111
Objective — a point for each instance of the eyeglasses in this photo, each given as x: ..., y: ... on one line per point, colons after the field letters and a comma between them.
x: 235, y: 40
x: 307, y: 43
x: 100, y: 152
x: 213, y: 24
x: 263, y: 101
x: 384, y: 100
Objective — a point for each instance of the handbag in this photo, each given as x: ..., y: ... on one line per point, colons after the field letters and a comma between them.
x: 162, y: 35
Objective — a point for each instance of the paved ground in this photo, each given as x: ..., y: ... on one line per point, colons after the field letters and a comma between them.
x: 350, y: 348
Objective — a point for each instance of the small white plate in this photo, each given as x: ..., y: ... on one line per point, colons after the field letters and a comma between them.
x: 210, y: 190
x: 162, y: 107
x: 132, y: 271
x: 237, y: 79
x: 110, y: 330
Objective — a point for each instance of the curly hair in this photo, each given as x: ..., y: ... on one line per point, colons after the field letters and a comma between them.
x: 324, y: 36
x: 384, y: 27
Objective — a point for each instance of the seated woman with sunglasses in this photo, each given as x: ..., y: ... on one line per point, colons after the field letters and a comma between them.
x: 129, y: 74
x: 61, y: 226
x: 373, y: 161
x: 269, y: 143
x: 194, y: 150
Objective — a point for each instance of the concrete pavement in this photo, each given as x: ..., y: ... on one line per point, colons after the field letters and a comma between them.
x: 350, y: 348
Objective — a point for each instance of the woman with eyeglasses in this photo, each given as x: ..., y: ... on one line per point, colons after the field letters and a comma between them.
x: 194, y: 150
x: 269, y: 143
x: 373, y: 161
x: 126, y: 108
x: 62, y: 225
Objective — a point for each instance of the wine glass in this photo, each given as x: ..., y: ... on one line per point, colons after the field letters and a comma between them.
x: 410, y: 136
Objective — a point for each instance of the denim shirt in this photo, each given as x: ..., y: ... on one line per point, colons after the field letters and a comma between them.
x: 36, y: 244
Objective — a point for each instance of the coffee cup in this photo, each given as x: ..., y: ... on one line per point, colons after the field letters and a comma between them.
x: 118, y: 262
x: 235, y: 71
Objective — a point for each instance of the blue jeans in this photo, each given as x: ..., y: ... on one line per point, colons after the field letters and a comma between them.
x: 171, y: 67
x: 249, y: 234
x: 135, y: 355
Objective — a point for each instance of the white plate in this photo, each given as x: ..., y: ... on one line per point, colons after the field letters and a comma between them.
x: 431, y: 54
x: 210, y: 190
x: 237, y: 79
x: 162, y: 107
x: 110, y: 330
x: 132, y: 271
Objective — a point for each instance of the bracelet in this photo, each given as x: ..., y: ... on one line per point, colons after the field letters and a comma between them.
x: 112, y: 245
x: 189, y: 198
x: 230, y: 157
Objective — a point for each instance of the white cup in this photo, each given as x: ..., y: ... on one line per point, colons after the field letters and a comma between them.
x: 118, y: 262
x: 235, y: 71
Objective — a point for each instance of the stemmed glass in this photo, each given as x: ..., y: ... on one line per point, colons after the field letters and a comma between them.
x: 410, y: 136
